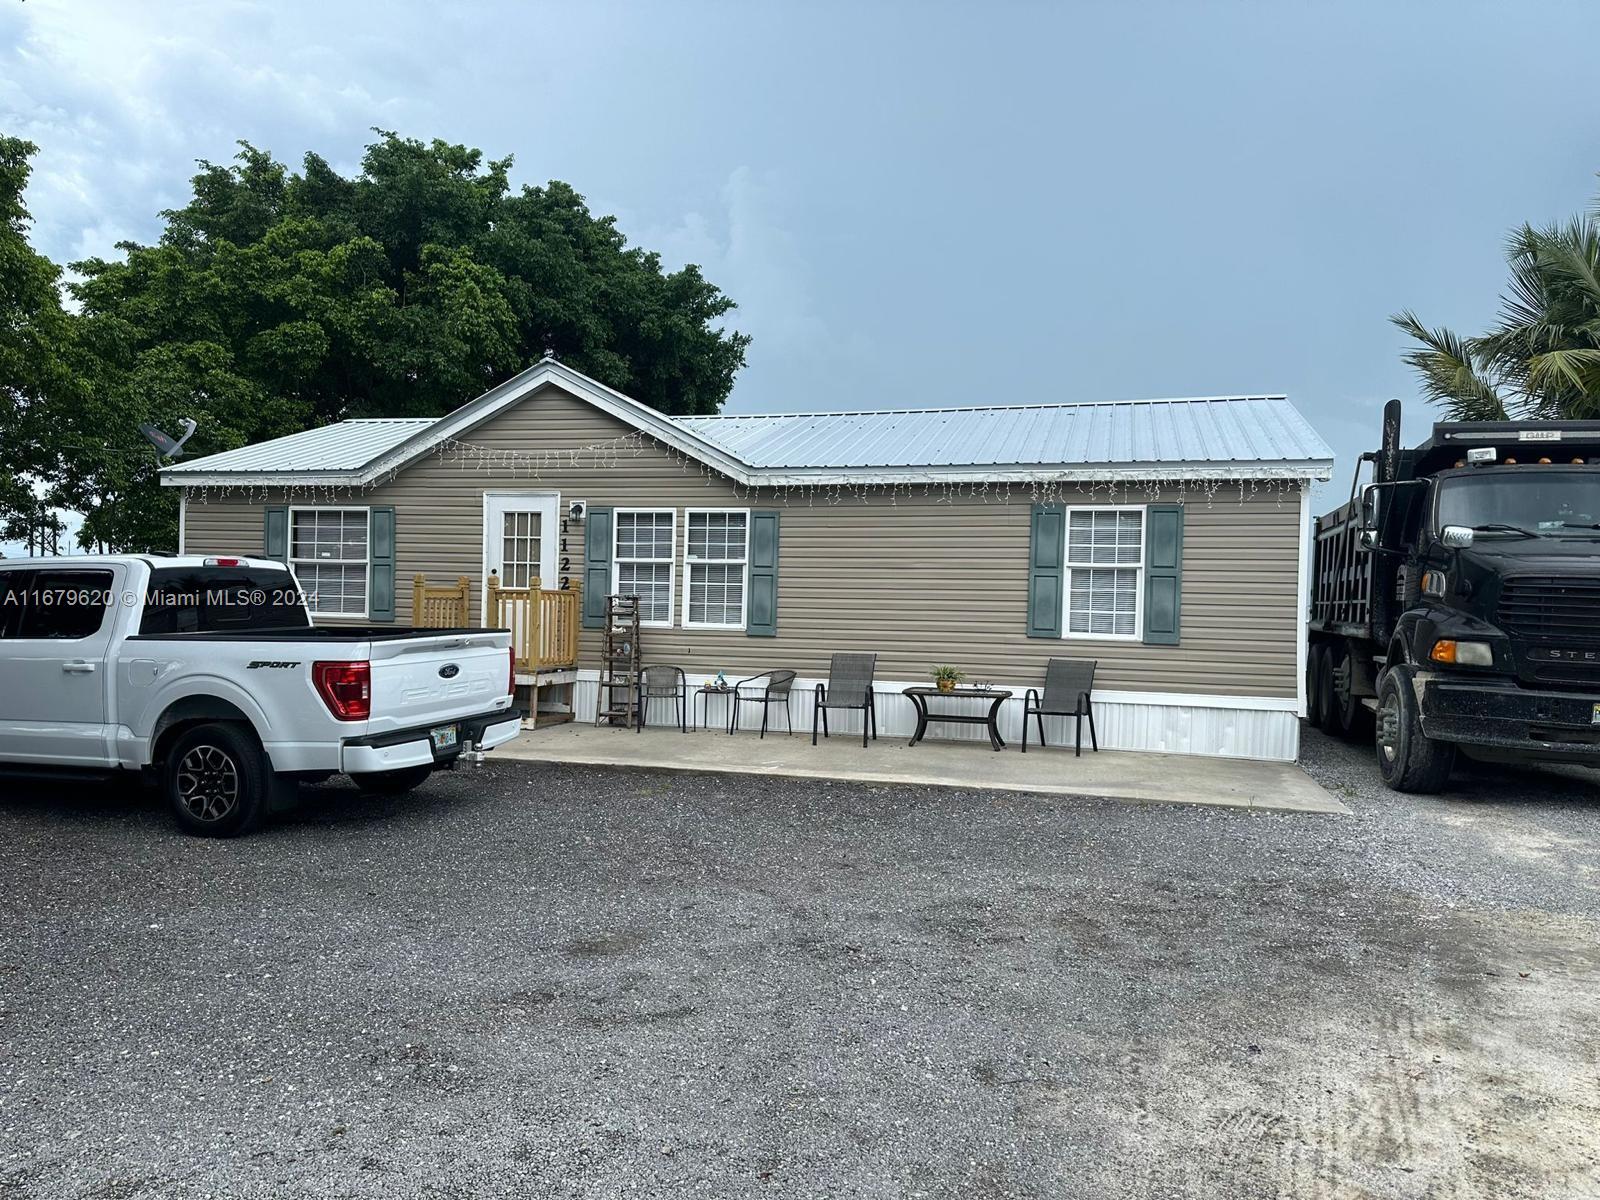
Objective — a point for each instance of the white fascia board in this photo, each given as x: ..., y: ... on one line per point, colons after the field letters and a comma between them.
x: 267, y: 479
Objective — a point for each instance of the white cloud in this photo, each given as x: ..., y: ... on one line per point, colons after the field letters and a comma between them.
x: 123, y: 98
x: 747, y: 248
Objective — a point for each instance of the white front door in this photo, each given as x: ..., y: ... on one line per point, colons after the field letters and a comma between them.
x: 521, y: 538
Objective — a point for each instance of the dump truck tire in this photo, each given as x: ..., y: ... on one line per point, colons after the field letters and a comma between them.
x: 1314, y: 686
x: 1408, y: 759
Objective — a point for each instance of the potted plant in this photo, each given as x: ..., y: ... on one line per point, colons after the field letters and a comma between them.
x: 947, y: 678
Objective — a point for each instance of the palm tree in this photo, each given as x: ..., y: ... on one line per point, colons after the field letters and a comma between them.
x: 1542, y: 360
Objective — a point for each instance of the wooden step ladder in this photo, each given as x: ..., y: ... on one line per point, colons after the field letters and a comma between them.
x: 618, y: 702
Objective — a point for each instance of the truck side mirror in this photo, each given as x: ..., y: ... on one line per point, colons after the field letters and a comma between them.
x: 1371, y: 509
x: 1456, y: 536
x: 1371, y: 517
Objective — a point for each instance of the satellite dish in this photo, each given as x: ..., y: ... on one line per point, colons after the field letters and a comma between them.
x: 165, y: 446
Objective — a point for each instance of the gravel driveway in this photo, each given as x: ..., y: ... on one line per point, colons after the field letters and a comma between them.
x: 595, y: 983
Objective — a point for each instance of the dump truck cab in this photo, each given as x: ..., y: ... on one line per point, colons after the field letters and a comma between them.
x: 1458, y: 598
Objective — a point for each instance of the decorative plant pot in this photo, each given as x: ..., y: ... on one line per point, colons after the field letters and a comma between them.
x: 946, y: 685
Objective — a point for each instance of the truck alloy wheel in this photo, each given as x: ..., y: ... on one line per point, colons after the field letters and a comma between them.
x: 216, y: 779
x: 208, y: 783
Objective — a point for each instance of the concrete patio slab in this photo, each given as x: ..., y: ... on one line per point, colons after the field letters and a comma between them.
x: 1161, y: 778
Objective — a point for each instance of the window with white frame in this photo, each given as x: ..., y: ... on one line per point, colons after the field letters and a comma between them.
x: 642, y: 561
x: 329, y: 551
x: 1105, y: 562
x: 715, y: 554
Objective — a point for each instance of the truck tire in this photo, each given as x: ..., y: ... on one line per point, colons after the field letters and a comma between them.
x: 1348, y: 712
x: 392, y: 783
x: 217, y: 780
x: 1327, y: 706
x: 1408, y: 759
x: 1314, y: 686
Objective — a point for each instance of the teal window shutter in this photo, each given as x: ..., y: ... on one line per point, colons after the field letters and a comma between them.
x: 596, y: 566
x: 380, y: 540
x: 1163, y: 573
x: 1047, y: 556
x: 761, y: 614
x: 275, y: 536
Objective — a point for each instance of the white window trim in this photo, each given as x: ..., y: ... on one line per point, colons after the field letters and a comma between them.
x: 688, y: 579
x: 1067, y: 568
x: 671, y: 560
x: 366, y: 592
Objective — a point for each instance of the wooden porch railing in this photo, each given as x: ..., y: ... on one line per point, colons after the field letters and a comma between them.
x: 543, y: 623
x: 448, y: 607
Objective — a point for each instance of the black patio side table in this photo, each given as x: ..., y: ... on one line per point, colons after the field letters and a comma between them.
x: 919, y: 697
x: 704, y: 694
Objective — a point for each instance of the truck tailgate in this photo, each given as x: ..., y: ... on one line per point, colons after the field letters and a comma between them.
x: 434, y: 680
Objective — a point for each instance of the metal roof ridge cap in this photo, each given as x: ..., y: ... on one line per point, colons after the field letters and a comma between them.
x: 1241, y: 398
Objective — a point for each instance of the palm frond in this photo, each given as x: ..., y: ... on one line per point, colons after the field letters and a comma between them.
x: 1450, y: 372
x: 1574, y: 370
x: 1570, y: 257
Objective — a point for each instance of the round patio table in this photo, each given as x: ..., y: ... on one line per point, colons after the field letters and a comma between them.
x: 919, y: 697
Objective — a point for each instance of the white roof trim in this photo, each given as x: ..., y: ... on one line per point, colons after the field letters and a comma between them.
x: 664, y: 429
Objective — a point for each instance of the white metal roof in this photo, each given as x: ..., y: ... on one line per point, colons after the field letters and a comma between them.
x: 1207, y: 437
x: 344, y: 446
x: 1232, y: 429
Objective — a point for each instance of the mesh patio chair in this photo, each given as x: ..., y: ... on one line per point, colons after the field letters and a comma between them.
x: 1068, y: 683
x: 765, y: 689
x: 849, y: 686
x: 664, y: 683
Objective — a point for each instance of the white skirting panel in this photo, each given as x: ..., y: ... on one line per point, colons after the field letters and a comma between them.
x: 1169, y: 723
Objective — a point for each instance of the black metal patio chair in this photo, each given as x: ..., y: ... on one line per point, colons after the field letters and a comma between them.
x: 1068, y: 684
x: 664, y: 683
x: 849, y: 686
x: 765, y: 689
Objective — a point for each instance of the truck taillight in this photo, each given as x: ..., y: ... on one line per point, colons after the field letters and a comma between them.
x: 223, y: 562
x: 345, y: 687
x: 511, y: 671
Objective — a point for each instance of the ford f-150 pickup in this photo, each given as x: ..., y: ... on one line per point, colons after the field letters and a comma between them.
x: 207, y: 676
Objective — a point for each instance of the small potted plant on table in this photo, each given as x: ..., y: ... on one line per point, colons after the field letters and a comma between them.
x: 947, y: 678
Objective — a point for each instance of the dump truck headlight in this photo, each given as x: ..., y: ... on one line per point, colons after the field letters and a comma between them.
x: 1463, y: 654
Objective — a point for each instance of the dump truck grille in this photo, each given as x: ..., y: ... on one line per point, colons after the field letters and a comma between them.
x: 1539, y: 606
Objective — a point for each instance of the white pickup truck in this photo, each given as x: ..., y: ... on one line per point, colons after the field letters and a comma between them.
x: 207, y: 675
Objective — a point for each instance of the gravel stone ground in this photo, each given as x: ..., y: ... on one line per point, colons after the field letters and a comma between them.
x: 575, y: 982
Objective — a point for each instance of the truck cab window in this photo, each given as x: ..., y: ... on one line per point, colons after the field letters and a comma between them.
x: 64, y: 604
x: 1549, y: 501
x: 220, y: 599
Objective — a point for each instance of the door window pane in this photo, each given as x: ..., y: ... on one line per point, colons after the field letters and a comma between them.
x: 521, y: 548
x: 64, y: 604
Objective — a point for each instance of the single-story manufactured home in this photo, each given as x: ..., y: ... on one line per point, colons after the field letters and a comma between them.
x: 1165, y: 539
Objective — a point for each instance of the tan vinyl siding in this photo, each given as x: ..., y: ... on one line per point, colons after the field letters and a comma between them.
x: 919, y: 580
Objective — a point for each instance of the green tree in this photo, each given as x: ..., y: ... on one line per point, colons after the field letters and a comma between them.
x: 34, y: 336
x: 1542, y: 358
x: 276, y: 300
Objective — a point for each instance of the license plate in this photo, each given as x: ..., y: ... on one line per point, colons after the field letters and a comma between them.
x: 444, y: 737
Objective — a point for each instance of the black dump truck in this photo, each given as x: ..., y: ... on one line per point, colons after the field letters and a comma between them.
x: 1455, y: 601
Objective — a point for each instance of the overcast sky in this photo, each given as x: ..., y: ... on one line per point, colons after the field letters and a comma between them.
x: 913, y: 204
